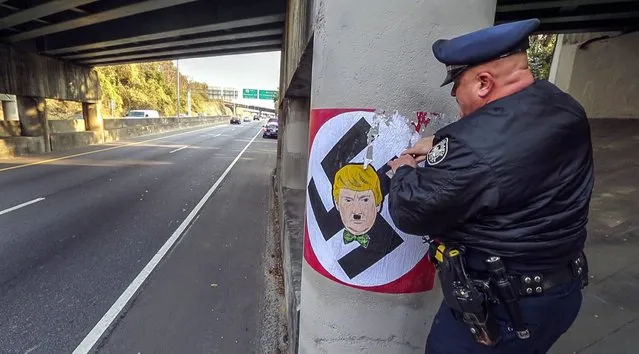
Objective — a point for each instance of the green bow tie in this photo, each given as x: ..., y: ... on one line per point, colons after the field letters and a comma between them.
x: 363, y: 240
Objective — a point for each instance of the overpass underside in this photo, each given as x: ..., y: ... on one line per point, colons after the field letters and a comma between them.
x: 99, y: 32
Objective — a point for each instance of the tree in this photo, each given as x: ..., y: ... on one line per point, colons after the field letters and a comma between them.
x: 150, y: 86
x: 542, y: 47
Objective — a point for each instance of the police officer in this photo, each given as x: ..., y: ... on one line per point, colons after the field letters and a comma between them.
x: 511, y: 180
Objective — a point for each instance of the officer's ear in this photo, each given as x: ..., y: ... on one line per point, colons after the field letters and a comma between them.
x: 486, y: 83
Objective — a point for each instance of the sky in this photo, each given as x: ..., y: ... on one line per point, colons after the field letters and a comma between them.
x: 256, y: 71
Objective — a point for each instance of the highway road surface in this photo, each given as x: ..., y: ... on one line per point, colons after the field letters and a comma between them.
x: 153, y: 245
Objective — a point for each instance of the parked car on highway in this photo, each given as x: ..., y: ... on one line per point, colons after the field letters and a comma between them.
x: 235, y: 120
x: 270, y: 130
x: 142, y: 113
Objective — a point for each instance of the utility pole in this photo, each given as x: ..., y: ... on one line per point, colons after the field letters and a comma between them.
x: 188, y: 101
x: 177, y: 63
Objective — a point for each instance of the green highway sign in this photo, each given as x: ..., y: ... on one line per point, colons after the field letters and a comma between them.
x: 249, y: 93
x: 259, y: 94
x: 267, y: 94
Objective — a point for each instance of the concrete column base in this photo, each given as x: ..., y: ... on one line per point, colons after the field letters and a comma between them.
x: 362, y: 322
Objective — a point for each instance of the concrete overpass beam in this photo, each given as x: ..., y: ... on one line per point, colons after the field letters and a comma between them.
x: 390, y: 67
x: 32, y: 75
x: 34, y: 121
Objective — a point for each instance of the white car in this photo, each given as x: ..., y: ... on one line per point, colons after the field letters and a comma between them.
x: 143, y: 113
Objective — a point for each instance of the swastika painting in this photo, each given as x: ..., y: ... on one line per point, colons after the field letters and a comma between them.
x: 350, y: 236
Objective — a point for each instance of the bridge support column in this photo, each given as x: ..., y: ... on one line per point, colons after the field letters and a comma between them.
x: 295, y: 143
x: 92, y: 117
x: 390, y: 67
x: 10, y: 108
x: 33, y: 119
x: 581, y: 67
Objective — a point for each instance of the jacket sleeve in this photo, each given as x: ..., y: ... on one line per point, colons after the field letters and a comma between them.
x: 448, y: 191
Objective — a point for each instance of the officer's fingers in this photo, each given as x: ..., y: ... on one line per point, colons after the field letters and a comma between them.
x: 415, y: 150
x: 420, y: 158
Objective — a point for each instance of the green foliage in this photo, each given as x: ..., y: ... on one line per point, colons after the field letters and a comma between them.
x: 540, y: 54
x: 151, y: 86
x: 63, y: 109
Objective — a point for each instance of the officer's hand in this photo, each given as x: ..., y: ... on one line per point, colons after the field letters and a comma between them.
x: 420, y: 149
x: 404, y: 160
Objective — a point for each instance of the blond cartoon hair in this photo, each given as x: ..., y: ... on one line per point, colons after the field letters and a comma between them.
x: 357, y: 178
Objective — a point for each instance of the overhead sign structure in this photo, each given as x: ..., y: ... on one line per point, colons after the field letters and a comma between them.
x: 350, y: 237
x: 249, y: 93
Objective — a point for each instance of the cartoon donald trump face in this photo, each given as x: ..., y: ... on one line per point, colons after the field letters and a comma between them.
x: 358, y: 197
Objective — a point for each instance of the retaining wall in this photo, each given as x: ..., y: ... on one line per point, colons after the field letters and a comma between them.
x: 68, y: 134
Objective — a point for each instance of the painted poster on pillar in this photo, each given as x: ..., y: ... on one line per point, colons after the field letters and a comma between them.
x: 350, y: 236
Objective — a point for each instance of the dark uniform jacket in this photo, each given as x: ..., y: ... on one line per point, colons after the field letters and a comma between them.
x: 512, y: 179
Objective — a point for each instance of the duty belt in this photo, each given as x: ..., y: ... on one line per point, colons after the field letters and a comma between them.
x: 535, y: 284
x: 470, y: 294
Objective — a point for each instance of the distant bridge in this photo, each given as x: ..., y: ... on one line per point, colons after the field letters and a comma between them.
x: 252, y: 108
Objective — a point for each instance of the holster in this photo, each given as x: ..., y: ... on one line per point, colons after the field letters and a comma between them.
x: 467, y: 298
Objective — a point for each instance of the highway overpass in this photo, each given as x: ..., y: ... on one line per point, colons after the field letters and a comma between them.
x: 250, y: 108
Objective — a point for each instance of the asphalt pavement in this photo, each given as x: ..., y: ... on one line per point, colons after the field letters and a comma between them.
x: 77, y: 229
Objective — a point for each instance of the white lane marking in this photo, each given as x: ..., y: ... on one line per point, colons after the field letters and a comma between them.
x: 21, y: 205
x: 217, y: 126
x: 178, y: 149
x: 216, y: 135
x: 32, y: 348
x: 112, y: 314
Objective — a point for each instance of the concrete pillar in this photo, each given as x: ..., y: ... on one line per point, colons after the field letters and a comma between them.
x: 10, y: 108
x: 599, y: 70
x: 378, y: 56
x: 562, y: 63
x: 33, y: 118
x: 294, y: 137
x: 92, y: 117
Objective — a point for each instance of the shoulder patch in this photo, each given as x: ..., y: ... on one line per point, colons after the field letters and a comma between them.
x: 438, y: 152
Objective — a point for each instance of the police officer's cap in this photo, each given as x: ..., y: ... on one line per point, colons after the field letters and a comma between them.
x: 460, y: 53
